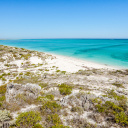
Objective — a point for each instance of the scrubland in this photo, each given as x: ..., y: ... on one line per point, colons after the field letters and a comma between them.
x: 35, y: 92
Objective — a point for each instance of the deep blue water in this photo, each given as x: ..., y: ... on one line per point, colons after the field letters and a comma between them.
x: 113, y: 52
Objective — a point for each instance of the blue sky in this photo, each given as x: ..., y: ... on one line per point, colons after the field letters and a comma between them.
x: 22, y: 19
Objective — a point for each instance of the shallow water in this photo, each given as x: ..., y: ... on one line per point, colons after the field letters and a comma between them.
x: 112, y: 52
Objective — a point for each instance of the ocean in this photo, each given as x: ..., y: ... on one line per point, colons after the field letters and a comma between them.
x: 112, y: 52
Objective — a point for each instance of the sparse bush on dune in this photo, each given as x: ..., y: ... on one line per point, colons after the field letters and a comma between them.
x: 49, y: 96
x: 117, y: 84
x: 28, y: 119
x: 116, y: 112
x: 50, y: 106
x: 65, y: 89
x: 38, y: 126
x: 77, y: 122
x: 60, y: 126
x: 3, y: 89
x: 54, y: 119
x: 43, y: 85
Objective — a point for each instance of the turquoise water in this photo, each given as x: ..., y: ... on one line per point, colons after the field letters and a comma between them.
x: 104, y: 51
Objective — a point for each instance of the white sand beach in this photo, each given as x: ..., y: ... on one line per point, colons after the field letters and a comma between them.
x: 71, y: 64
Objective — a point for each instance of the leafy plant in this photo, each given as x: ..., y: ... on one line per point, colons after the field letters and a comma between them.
x: 115, y: 111
x: 3, y: 89
x: 28, y: 119
x: 2, y: 98
x: 118, y: 84
x: 60, y: 126
x: 54, y: 119
x: 121, y: 118
x: 65, y: 89
x: 51, y: 97
x: 52, y: 106
x: 37, y: 126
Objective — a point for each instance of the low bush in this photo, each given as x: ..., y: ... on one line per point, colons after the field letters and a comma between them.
x: 38, y: 126
x: 120, y: 98
x: 2, y: 98
x: 118, y: 84
x: 65, y: 89
x: 28, y: 119
x: 109, y: 108
x: 121, y: 118
x: 60, y: 126
x: 3, y: 89
x: 116, y: 112
x: 57, y: 70
x: 43, y: 85
x: 63, y: 72
x: 50, y: 106
x: 51, y: 97
x: 53, y: 119
x: 77, y: 109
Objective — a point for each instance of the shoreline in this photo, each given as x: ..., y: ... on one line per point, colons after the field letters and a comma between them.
x: 79, y: 61
x: 83, y: 63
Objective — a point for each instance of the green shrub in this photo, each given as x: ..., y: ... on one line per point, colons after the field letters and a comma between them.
x: 52, y: 106
x: 60, y: 126
x: 37, y: 126
x: 63, y: 72
x: 1, y: 104
x: 112, y: 94
x: 57, y: 70
x: 65, y: 89
x: 3, y: 79
x: 120, y: 98
x: 121, y: 118
x: 108, y: 107
x: 77, y: 109
x: 42, y: 85
x: 51, y: 97
x: 21, y: 73
x: 2, y: 98
x: 97, y: 100
x: 54, y: 119
x: 28, y: 73
x: 27, y: 119
x: 3, y: 89
x: 46, y: 69
x: 9, y: 73
x: 115, y: 111
x: 118, y: 84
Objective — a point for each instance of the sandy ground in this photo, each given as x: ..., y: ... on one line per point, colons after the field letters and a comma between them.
x: 71, y: 64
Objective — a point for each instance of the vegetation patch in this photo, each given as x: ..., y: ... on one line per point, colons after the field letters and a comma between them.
x: 65, y: 89
x: 37, y: 126
x: 28, y: 119
x: 51, y: 106
x: 114, y: 111
x: 43, y: 85
x: 77, y: 109
x: 3, y: 89
x: 118, y: 84
x: 54, y: 119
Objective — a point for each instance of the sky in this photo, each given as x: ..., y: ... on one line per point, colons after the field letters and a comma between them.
x: 36, y: 19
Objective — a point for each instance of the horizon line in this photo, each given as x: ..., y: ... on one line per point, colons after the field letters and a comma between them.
x: 55, y: 38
